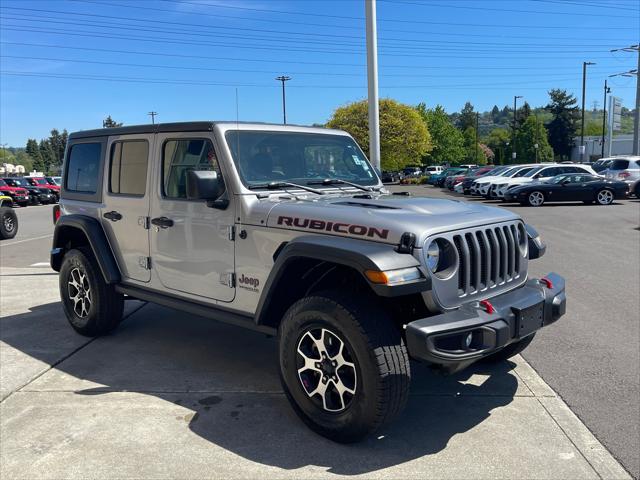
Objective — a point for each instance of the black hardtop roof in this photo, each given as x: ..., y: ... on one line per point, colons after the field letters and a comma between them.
x: 201, y: 126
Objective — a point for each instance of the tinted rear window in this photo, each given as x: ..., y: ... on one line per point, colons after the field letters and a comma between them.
x: 128, y: 167
x: 83, y: 167
x: 619, y: 165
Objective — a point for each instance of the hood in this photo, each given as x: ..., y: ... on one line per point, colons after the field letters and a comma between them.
x: 517, y: 181
x: 381, y: 218
x: 490, y: 178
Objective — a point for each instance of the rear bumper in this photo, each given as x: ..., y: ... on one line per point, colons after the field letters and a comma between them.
x: 443, y: 340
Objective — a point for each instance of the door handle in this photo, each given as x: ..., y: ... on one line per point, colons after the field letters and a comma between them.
x: 162, y: 222
x: 113, y: 216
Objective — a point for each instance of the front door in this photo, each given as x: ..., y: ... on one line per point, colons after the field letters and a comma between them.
x: 192, y: 246
x: 126, y: 203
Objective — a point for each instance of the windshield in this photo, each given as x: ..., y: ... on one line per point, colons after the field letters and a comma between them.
x: 262, y: 157
x: 522, y: 172
x: 2, y: 183
x: 40, y: 181
x: 17, y: 182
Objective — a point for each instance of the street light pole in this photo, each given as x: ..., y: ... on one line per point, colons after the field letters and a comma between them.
x: 153, y: 116
x: 477, y: 145
x: 584, y: 85
x: 372, y: 79
x: 514, y: 154
x: 284, y: 78
x: 604, y: 115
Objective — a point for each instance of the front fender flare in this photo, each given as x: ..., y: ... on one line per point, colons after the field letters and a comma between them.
x: 359, y: 255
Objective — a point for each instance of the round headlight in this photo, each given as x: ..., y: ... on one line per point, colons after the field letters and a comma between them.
x: 433, y: 256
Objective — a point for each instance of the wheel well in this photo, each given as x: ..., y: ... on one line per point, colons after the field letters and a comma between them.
x: 312, y: 276
x: 71, y: 237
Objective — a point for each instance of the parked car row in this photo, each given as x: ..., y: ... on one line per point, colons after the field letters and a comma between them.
x: 535, y: 184
x: 415, y: 171
x: 24, y: 191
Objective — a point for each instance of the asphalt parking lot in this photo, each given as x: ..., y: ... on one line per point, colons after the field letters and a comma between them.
x: 172, y: 395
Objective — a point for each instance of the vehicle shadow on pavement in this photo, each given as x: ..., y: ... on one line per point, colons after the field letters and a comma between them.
x: 228, y: 378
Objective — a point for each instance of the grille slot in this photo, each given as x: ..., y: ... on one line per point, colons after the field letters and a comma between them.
x: 489, y: 261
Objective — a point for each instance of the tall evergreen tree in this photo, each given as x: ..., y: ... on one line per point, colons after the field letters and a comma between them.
x: 110, y: 123
x: 33, y: 151
x: 562, y: 129
x: 58, y: 142
x: 48, y: 155
x: 530, y: 134
x: 467, y: 117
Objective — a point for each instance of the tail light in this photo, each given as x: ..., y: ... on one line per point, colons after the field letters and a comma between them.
x: 624, y: 175
x: 56, y: 213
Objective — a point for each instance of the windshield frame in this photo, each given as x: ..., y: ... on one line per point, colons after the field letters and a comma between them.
x: 375, y: 184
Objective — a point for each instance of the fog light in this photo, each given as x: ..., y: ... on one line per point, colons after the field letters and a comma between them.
x: 468, y: 339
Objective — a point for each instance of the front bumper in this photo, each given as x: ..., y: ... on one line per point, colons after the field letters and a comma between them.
x: 443, y: 340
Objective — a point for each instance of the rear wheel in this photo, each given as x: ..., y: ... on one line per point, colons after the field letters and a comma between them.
x: 636, y: 190
x: 604, y: 197
x: 535, y: 198
x: 8, y: 223
x: 92, y: 306
x: 343, y: 365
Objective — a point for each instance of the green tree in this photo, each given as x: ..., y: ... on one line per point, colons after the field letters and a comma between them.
x: 530, y: 134
x: 404, y: 137
x: 448, y: 142
x: 58, y: 142
x: 110, y: 123
x: 497, y: 141
x: 467, y: 117
x: 48, y: 155
x: 21, y: 158
x: 593, y: 128
x: 33, y: 151
x: 473, y: 152
x: 562, y: 128
x: 523, y: 114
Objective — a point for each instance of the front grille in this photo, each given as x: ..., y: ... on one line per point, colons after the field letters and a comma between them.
x: 489, y: 260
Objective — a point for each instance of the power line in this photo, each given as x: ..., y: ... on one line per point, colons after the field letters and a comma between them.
x: 137, y: 28
x: 351, y: 26
x: 164, y: 40
x: 280, y: 61
x: 280, y: 32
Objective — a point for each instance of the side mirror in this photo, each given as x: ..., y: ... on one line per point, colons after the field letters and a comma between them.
x: 205, y: 185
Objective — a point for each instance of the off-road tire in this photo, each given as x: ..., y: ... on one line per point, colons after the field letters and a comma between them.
x: 106, y: 305
x: 8, y: 223
x: 377, y: 350
x: 510, y: 350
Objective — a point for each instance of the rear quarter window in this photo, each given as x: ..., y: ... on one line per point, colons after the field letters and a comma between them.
x: 619, y: 165
x: 83, y: 168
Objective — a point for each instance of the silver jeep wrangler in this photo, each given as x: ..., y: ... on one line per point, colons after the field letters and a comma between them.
x: 289, y: 231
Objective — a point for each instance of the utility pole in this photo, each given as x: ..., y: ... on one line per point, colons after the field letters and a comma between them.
x: 284, y: 78
x: 604, y: 115
x: 372, y: 80
x: 630, y: 73
x: 477, y: 144
x: 584, y: 85
x: 515, y: 126
x: 153, y: 114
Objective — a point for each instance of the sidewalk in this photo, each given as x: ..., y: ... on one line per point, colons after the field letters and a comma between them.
x: 172, y: 395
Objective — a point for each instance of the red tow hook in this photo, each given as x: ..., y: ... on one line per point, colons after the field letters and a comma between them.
x: 547, y: 283
x: 486, y: 304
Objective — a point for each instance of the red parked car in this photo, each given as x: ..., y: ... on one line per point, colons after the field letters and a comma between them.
x: 42, y: 182
x: 18, y: 195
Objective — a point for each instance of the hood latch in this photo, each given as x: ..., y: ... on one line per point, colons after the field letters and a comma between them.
x: 407, y: 243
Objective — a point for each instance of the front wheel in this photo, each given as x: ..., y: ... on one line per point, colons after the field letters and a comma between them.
x: 8, y: 223
x: 604, y: 197
x: 343, y: 366
x: 92, y: 306
x: 535, y: 199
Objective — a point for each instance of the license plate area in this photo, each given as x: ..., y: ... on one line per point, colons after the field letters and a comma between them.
x: 529, y: 319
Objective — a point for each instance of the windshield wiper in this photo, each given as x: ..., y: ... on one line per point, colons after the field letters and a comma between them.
x: 281, y: 185
x: 336, y: 181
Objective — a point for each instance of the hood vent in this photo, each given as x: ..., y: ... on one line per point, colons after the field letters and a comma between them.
x: 366, y: 205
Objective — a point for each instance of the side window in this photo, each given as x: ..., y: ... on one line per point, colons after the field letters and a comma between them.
x: 180, y: 156
x: 83, y: 168
x: 128, y: 167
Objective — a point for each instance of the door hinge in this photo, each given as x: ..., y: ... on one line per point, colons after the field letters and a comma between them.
x: 232, y: 232
x: 228, y: 279
x: 144, y: 222
x: 145, y: 262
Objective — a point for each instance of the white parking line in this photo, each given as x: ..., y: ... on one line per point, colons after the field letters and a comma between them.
x: 40, y: 264
x: 26, y: 240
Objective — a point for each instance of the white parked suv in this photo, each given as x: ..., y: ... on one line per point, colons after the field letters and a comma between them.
x: 541, y: 173
x: 625, y: 169
x: 483, y: 184
x: 433, y: 169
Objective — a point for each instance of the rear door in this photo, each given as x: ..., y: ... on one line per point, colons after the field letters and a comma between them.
x: 125, y: 215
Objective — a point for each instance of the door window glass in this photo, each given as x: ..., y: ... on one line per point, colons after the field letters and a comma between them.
x: 83, y: 167
x: 180, y: 156
x: 128, y: 167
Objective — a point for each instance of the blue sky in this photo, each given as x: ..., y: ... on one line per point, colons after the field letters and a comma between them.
x: 70, y: 63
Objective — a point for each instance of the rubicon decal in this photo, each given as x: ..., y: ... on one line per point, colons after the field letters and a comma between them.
x: 248, y: 283
x: 338, y: 227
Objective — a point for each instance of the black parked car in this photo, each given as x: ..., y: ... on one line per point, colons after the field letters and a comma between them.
x: 568, y: 187
x: 37, y: 195
x: 390, y: 177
